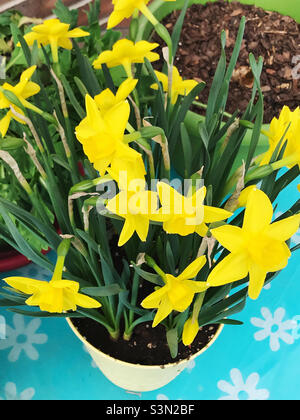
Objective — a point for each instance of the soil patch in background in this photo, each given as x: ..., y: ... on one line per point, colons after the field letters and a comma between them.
x: 268, y: 34
x: 148, y: 346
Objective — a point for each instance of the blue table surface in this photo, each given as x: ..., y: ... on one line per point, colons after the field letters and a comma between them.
x: 41, y: 359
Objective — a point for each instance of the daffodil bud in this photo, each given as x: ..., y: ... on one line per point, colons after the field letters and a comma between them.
x: 11, y: 143
x: 259, y: 173
x: 150, y: 132
x: 190, y: 331
x: 64, y: 247
x: 242, y: 201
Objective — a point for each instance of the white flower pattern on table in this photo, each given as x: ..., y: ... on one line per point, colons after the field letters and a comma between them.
x: 191, y: 365
x: 273, y: 327
x: 23, y: 337
x: 11, y: 394
x: 240, y: 390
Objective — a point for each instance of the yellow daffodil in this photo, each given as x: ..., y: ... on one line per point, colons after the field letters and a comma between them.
x: 102, y: 138
x: 106, y: 100
x: 56, y: 296
x: 179, y: 86
x: 124, y: 9
x: 55, y: 33
x: 243, y: 198
x: 23, y: 90
x: 187, y: 215
x: 125, y: 53
x: 178, y: 292
x: 290, y: 121
x: 127, y: 166
x: 258, y: 248
x: 136, y: 207
x: 190, y: 331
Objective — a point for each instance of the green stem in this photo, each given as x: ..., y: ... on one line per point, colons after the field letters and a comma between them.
x: 150, y: 261
x: 134, y: 295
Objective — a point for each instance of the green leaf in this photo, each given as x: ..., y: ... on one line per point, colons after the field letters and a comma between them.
x: 65, y: 14
x: 88, y: 239
x: 183, y: 110
x: 14, y: 298
x: 110, y: 290
x: 152, y: 278
x: 256, y: 69
x: 145, y: 318
x: 11, y: 143
x: 8, y: 302
x: 229, y: 322
x: 216, y: 84
x: 87, y: 73
x: 172, y: 339
x: 178, y: 28
x: 170, y: 259
x: 187, y: 150
x: 22, y: 244
x: 57, y: 159
x: 42, y: 314
x: 71, y: 95
x: 94, y: 12
x: 32, y: 222
x: 26, y: 49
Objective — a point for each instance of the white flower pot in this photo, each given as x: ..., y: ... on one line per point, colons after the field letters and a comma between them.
x: 138, y: 378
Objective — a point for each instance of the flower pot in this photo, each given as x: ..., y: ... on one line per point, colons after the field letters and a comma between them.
x: 138, y: 378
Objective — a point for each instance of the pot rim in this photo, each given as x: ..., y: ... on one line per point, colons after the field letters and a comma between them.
x: 146, y: 367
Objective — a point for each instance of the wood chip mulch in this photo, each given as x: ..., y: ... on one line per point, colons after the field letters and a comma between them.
x: 268, y: 34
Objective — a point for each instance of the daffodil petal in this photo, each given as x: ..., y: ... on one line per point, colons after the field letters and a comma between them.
x: 153, y: 300
x: 127, y: 232
x: 4, y: 124
x: 125, y: 89
x: 25, y: 285
x: 196, y: 286
x: 284, y: 229
x: 193, y: 269
x: 259, y: 212
x: 257, y: 280
x: 230, y: 237
x: 142, y: 227
x: 77, y: 33
x: 163, y: 312
x: 214, y: 214
x: 85, y: 301
x: 232, y: 268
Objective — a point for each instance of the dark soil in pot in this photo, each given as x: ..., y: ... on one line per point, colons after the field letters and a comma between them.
x: 148, y: 346
x: 268, y: 34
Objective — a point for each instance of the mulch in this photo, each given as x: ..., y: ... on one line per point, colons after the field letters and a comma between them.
x: 268, y: 34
